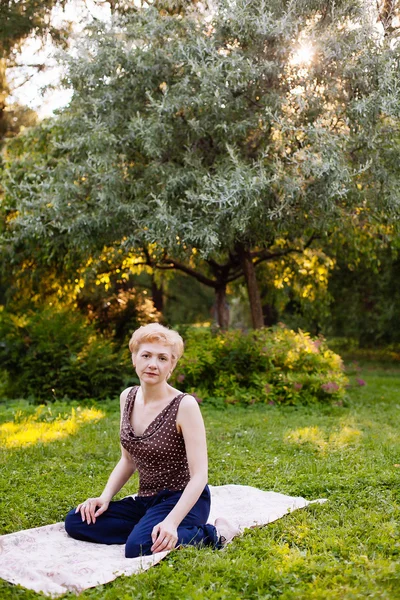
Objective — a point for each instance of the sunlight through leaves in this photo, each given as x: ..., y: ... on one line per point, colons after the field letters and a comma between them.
x: 33, y: 429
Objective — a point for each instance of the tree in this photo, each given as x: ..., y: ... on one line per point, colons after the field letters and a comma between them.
x: 221, y: 141
x: 18, y: 20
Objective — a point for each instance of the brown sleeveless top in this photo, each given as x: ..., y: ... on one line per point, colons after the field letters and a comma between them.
x: 159, y: 453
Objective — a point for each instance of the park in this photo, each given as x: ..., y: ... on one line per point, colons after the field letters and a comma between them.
x: 230, y: 170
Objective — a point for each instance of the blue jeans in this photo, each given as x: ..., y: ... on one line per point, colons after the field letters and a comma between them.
x: 130, y: 521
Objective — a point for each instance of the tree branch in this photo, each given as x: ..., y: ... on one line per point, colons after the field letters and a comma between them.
x: 174, y: 264
x: 265, y: 255
x: 236, y: 275
x: 213, y: 264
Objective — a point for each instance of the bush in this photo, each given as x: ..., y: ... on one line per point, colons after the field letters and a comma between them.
x: 53, y: 353
x: 269, y: 365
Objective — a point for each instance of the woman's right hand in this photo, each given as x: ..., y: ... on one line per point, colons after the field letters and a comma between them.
x: 88, y: 509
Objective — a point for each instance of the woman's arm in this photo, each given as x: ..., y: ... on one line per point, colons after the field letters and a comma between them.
x: 191, y: 424
x: 121, y: 473
x: 124, y: 469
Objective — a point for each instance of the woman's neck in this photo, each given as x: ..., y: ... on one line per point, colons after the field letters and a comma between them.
x: 155, y: 393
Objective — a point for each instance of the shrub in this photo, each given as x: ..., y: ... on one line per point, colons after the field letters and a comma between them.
x: 53, y: 353
x: 269, y: 365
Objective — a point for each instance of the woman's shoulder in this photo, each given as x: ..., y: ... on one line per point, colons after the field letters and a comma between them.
x: 189, y: 417
x: 188, y: 400
x: 188, y: 405
x: 124, y: 395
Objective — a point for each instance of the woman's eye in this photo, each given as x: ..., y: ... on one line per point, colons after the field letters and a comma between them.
x: 163, y: 358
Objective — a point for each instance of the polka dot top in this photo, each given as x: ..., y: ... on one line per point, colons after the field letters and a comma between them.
x: 159, y: 453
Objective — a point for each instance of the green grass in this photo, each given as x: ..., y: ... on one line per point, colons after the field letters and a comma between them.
x: 348, y: 548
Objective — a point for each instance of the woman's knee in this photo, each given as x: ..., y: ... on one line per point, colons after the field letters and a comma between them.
x: 72, y: 522
x: 135, y: 548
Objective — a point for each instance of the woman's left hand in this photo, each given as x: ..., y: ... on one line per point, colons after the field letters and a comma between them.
x: 164, y: 536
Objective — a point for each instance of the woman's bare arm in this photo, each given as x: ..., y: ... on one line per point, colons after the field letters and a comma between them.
x: 124, y: 469
x: 122, y: 472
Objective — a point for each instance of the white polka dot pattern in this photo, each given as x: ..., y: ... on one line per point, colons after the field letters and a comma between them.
x: 159, y: 453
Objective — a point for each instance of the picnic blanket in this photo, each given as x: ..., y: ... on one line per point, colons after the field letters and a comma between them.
x: 45, y: 559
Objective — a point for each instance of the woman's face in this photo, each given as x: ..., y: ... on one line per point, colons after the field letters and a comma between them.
x: 153, y: 362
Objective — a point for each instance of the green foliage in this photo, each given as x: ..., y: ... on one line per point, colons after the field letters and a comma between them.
x: 20, y: 18
x: 370, y: 313
x: 187, y: 301
x: 52, y: 353
x: 223, y: 140
x: 219, y: 139
x: 269, y: 366
x: 387, y: 356
x: 15, y: 119
x: 294, y: 289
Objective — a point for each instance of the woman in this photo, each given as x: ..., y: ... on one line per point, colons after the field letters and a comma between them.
x: 163, y: 437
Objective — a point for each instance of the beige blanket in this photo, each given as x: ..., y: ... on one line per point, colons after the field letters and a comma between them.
x: 46, y: 559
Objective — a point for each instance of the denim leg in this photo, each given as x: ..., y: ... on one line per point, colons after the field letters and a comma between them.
x: 193, y: 530
x: 111, y: 527
x: 201, y: 535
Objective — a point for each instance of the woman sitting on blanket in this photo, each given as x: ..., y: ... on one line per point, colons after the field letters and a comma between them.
x: 163, y: 437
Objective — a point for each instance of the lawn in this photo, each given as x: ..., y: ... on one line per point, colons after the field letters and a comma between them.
x: 347, y: 548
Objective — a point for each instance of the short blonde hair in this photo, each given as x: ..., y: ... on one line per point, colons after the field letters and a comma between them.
x: 154, y: 332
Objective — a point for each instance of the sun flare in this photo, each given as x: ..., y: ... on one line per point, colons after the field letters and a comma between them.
x: 302, y: 55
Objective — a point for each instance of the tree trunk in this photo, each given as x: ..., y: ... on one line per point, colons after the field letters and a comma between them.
x: 222, y: 308
x: 3, y: 95
x: 157, y: 294
x: 270, y: 315
x: 252, y: 287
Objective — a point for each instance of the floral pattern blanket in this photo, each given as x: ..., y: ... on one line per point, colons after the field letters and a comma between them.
x: 45, y: 559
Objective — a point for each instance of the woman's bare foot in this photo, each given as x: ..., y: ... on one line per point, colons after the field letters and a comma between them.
x: 226, y: 530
